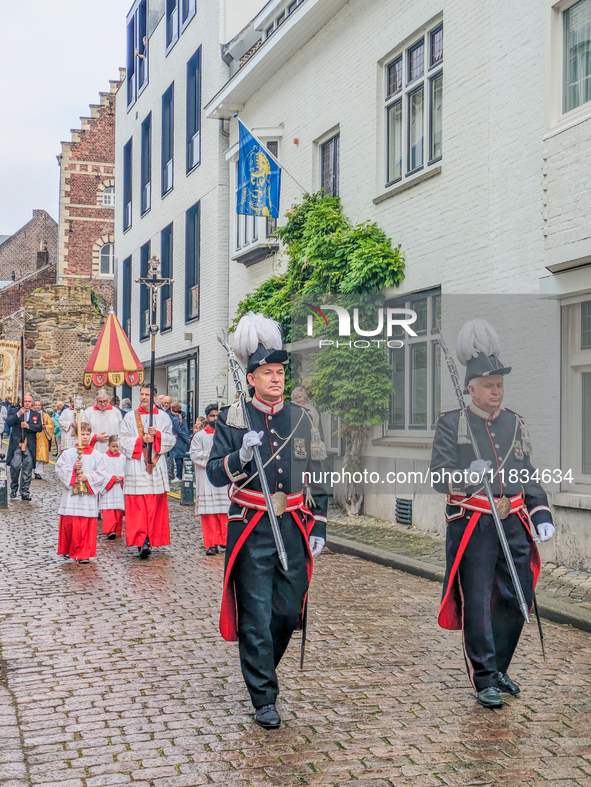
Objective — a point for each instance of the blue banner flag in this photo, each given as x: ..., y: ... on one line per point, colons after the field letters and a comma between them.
x: 259, y: 178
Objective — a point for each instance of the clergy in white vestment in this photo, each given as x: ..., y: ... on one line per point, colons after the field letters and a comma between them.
x: 211, y: 502
x: 146, y: 483
x: 78, y: 513
x: 104, y: 419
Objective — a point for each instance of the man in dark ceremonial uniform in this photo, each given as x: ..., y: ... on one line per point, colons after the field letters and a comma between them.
x: 478, y: 593
x: 262, y: 604
x: 22, y: 446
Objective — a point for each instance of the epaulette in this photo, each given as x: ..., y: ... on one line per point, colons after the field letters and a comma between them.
x: 525, y: 435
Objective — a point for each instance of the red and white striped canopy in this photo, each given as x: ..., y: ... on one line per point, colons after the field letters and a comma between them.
x: 113, y: 360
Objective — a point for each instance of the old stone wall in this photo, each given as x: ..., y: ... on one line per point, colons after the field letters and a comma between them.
x: 59, y: 338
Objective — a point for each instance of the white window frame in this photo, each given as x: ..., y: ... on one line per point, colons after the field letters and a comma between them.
x: 137, y: 88
x: 110, y: 274
x: 575, y: 362
x: 192, y: 10
x: 176, y: 20
x: 109, y: 197
x: 430, y: 336
x: 556, y: 119
x: 402, y: 97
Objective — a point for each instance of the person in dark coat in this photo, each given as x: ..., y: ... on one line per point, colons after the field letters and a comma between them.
x: 478, y: 594
x: 22, y: 447
x: 263, y: 604
x: 183, y: 438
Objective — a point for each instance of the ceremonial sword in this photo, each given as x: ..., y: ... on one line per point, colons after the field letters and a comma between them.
x: 257, y: 455
x: 453, y: 371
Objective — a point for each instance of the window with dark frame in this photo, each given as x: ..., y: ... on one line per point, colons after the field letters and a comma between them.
x: 107, y: 258
x: 192, y: 231
x: 166, y: 271
x: 415, y: 403
x: 194, y: 111
x: 414, y: 107
x: 127, y: 184
x: 167, y: 139
x: 126, y: 296
x: 329, y: 166
x: 136, y: 75
x: 146, y: 164
x: 172, y: 22
x: 144, y: 293
x: 188, y: 8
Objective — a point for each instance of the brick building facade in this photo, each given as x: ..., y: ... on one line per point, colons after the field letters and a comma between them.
x: 87, y: 199
x: 18, y: 253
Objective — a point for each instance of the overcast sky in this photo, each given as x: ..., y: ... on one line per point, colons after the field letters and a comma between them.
x: 56, y: 56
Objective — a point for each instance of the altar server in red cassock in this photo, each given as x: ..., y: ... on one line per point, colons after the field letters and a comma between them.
x: 146, y: 484
x: 78, y: 513
x: 112, y: 502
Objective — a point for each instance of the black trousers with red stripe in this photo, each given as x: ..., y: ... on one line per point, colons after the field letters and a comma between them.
x: 491, y: 615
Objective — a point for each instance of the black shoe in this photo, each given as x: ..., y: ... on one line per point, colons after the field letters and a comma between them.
x: 507, y: 685
x: 211, y: 551
x: 221, y: 547
x: 25, y: 497
x: 490, y: 697
x: 13, y: 495
x: 145, y: 549
x: 112, y: 535
x: 37, y: 477
x: 266, y: 716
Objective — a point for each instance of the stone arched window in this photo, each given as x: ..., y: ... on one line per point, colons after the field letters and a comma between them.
x: 103, y: 257
x: 105, y: 194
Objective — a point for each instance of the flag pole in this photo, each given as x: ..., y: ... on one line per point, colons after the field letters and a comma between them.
x: 271, y: 156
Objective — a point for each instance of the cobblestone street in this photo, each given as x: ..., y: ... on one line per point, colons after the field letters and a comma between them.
x: 114, y: 673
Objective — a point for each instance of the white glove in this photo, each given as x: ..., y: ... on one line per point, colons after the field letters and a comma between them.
x: 249, y: 441
x: 316, y: 545
x: 545, y: 531
x: 478, y: 467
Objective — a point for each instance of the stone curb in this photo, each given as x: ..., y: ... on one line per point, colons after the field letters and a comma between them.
x: 551, y: 609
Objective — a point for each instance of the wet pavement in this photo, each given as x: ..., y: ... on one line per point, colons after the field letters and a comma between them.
x: 114, y: 673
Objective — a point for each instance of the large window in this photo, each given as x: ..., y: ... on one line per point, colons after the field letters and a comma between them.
x: 192, y: 263
x: 194, y: 110
x: 416, y: 377
x: 166, y: 271
x: 126, y: 297
x: 127, y: 184
x: 167, y: 139
x: 252, y: 230
x: 577, y: 55
x: 146, y: 165
x: 144, y: 292
x: 187, y: 12
x: 137, y: 51
x: 414, y: 101
x: 576, y: 394
x: 329, y: 166
x: 172, y: 22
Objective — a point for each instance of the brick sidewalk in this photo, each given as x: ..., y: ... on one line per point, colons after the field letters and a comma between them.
x: 114, y: 673
x: 559, y: 588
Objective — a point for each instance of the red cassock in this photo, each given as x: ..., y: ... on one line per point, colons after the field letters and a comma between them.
x: 112, y: 520
x: 77, y: 537
x: 215, y: 529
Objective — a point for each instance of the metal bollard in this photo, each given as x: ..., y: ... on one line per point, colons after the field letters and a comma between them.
x: 3, y: 482
x: 188, y: 484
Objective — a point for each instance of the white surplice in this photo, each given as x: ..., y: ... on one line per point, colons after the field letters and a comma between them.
x: 114, y: 497
x: 95, y: 469
x: 67, y: 422
x: 108, y: 421
x: 209, y: 499
x: 137, y: 479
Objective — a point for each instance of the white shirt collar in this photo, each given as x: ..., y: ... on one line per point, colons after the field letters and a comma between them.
x: 269, y: 409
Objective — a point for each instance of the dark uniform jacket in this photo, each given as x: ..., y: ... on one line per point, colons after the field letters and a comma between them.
x: 35, y: 425
x: 284, y: 473
x: 501, y: 441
